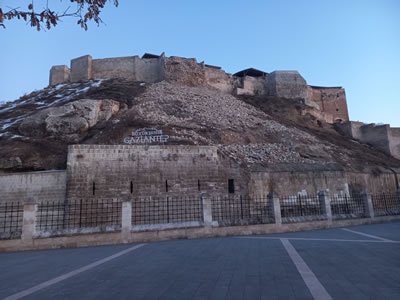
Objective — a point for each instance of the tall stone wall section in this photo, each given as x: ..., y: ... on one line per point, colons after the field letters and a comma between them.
x: 33, y: 186
x: 331, y: 102
x: 381, y: 137
x: 395, y: 142
x: 126, y: 172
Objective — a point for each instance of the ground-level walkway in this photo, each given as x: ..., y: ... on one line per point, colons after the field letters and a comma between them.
x: 361, y: 262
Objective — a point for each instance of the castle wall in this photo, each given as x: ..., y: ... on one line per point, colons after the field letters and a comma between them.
x: 37, y: 186
x: 59, y: 74
x: 331, y: 101
x: 81, y: 68
x: 125, y: 172
x: 292, y: 183
x: 287, y: 84
x: 149, y: 69
x: 395, y: 142
x: 377, y: 136
x: 117, y: 67
x: 381, y: 137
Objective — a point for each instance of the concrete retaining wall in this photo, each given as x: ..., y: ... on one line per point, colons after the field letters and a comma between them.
x: 293, y: 183
x: 33, y: 186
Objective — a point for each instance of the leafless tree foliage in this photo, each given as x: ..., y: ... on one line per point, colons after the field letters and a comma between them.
x: 84, y: 10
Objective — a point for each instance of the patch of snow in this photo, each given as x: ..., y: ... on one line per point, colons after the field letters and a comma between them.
x: 97, y: 83
x: 59, y: 86
x: 16, y: 136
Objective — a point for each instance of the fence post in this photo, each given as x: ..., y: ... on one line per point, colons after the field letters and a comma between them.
x: 126, y: 220
x: 29, y: 221
x: 368, y: 206
x: 325, y: 204
x: 207, y: 210
x: 276, y: 207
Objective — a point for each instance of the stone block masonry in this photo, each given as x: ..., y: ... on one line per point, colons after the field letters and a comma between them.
x: 59, y: 74
x: 129, y: 171
x: 382, y: 137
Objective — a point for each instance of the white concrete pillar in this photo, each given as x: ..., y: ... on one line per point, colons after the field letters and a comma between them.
x: 276, y: 207
x: 325, y: 204
x: 207, y: 209
x: 29, y: 222
x: 369, y: 208
x: 126, y: 218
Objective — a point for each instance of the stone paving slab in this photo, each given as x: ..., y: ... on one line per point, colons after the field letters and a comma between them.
x: 216, y: 268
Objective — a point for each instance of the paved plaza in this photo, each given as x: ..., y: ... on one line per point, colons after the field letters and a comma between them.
x: 361, y: 262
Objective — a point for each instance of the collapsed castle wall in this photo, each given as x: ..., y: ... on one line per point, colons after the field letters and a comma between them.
x: 33, y: 186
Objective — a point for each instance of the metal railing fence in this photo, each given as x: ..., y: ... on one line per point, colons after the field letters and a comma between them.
x: 11, y: 218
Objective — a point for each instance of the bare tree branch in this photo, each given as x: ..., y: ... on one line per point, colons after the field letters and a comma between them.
x: 86, y: 10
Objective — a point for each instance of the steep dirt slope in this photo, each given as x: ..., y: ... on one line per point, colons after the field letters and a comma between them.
x: 258, y: 133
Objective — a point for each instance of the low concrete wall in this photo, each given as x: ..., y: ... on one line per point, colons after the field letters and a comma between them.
x: 96, y: 239
x: 33, y: 186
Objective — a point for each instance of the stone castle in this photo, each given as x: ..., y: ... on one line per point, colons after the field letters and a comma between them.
x: 325, y: 103
x: 123, y: 171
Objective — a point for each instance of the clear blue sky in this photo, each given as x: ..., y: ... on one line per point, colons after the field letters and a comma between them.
x: 354, y: 44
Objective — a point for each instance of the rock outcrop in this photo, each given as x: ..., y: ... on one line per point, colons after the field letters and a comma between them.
x: 69, y: 122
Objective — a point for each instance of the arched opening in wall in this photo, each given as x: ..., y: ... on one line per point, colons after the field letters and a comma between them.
x: 94, y: 188
x: 231, y: 186
x: 166, y: 186
x: 198, y: 185
x: 131, y: 187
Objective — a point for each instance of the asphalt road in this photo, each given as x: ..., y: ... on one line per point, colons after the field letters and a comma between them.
x: 362, y: 262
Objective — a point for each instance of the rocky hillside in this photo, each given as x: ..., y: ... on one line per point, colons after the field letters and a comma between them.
x: 255, y: 132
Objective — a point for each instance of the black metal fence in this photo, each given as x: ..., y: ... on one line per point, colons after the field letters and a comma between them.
x: 88, y: 213
x: 11, y: 214
x: 166, y: 210
x: 240, y: 210
x: 301, y: 208
x: 386, y: 204
x: 348, y: 206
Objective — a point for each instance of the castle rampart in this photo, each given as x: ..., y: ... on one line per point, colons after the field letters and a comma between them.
x: 328, y: 104
x: 381, y: 137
